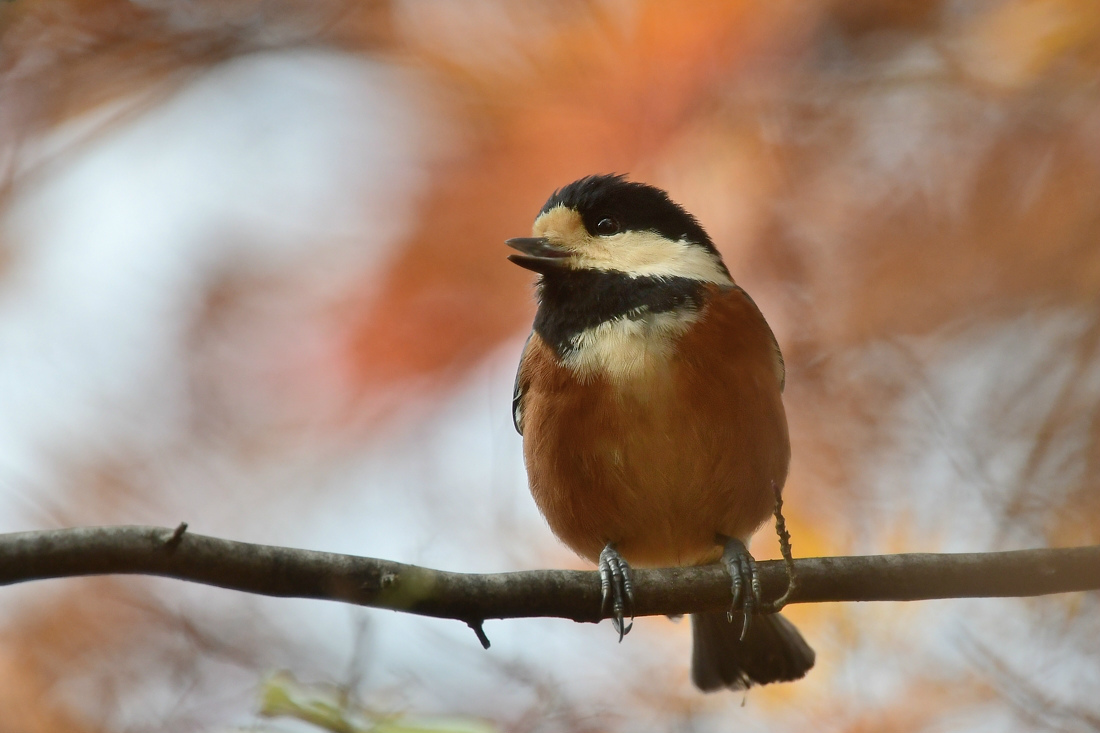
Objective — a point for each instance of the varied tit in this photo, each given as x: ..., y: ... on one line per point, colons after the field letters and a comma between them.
x: 649, y: 401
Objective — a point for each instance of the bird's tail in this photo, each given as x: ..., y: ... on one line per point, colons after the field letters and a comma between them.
x: 773, y: 651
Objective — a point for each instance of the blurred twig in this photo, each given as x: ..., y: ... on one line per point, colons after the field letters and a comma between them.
x: 572, y: 594
x: 328, y: 708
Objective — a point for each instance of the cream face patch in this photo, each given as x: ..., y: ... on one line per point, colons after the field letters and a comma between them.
x: 636, y: 253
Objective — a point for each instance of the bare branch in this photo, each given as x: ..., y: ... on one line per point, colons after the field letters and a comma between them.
x: 571, y: 594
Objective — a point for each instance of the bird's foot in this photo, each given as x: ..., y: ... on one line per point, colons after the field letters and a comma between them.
x: 616, y: 587
x: 746, y: 582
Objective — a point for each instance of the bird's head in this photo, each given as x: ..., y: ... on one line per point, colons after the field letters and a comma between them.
x: 625, y: 271
x: 608, y: 224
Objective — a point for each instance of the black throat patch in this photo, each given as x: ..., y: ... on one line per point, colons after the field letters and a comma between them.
x: 573, y: 301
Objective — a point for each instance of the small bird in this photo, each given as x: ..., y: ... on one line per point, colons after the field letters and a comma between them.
x: 649, y: 401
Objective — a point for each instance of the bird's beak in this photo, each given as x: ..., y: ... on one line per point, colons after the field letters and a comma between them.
x: 538, y: 254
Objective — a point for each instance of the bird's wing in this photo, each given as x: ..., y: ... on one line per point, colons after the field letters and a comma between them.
x: 735, y: 291
x: 519, y: 388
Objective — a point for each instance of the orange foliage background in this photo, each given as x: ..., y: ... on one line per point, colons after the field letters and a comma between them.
x: 910, y: 190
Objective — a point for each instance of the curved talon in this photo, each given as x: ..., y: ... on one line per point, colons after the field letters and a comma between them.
x: 737, y: 589
x: 616, y: 585
x: 742, y: 570
x: 752, y: 597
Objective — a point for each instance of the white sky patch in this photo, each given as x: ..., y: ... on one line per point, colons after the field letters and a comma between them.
x: 964, y: 438
x: 265, y: 160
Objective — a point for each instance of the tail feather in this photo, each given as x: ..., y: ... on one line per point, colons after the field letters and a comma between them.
x: 773, y: 651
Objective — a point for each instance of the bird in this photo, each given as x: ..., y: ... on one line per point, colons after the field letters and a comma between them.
x: 648, y: 398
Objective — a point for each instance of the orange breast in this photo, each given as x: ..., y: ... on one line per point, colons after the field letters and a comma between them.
x: 663, y: 464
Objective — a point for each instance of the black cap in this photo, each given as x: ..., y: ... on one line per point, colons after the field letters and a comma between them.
x: 633, y: 206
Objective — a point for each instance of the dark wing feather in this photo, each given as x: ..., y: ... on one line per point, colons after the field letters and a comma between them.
x: 518, y: 390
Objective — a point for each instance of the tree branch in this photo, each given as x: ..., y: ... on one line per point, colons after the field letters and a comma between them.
x: 571, y: 594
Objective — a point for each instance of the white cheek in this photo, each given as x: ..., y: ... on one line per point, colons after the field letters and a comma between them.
x: 648, y: 254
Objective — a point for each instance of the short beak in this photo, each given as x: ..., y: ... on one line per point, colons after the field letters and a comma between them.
x: 538, y: 254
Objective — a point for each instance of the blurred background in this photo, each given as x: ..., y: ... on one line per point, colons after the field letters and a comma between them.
x: 252, y: 276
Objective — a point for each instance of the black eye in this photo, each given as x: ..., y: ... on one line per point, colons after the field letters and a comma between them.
x: 607, y: 226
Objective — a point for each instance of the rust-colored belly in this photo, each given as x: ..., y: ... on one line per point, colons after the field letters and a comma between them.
x: 661, y: 465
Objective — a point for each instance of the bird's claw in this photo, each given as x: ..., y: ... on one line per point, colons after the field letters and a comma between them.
x: 742, y: 570
x: 616, y: 586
